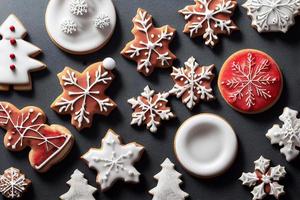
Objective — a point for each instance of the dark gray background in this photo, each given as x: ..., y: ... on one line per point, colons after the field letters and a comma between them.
x: 284, y: 48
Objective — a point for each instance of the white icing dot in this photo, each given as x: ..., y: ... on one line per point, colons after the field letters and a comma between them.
x: 109, y: 63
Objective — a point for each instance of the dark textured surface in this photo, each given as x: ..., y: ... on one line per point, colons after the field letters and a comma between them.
x: 284, y: 48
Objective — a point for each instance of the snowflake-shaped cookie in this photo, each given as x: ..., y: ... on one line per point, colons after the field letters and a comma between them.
x: 209, y: 18
x: 150, y: 108
x: 150, y: 47
x: 13, y: 183
x: 272, y: 15
x: 193, y: 82
x: 78, y: 7
x: 114, y: 161
x: 288, y: 135
x: 83, y: 93
x: 265, y: 179
x: 68, y: 26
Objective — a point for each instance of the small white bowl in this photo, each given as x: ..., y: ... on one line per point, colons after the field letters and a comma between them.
x: 206, y: 145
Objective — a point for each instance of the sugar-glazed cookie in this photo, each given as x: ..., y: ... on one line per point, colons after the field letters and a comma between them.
x: 150, y: 47
x: 84, y: 93
x: 16, y: 56
x: 26, y: 128
x: 250, y: 81
x: 80, y: 26
x: 114, y: 160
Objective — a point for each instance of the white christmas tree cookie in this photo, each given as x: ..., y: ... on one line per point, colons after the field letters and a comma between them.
x: 272, y: 15
x: 114, y: 160
x: 288, y: 135
x: 264, y: 179
x: 168, y: 184
x: 79, y: 188
x: 16, y: 56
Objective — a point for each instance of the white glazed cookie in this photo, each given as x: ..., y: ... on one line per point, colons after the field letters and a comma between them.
x: 16, y: 56
x: 272, y: 15
x: 288, y: 135
x: 114, y: 160
x: 168, y: 183
x: 80, y: 26
x: 79, y: 188
x: 205, y: 145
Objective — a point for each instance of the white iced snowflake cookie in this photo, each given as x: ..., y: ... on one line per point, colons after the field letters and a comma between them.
x: 272, y: 15
x: 79, y: 188
x: 114, y: 160
x: 168, y: 183
x: 288, y: 135
x: 16, y: 56
x: 205, y: 145
x: 95, y: 22
x: 264, y: 179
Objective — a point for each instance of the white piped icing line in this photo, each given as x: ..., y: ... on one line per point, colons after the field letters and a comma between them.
x: 68, y: 26
x: 109, y: 63
x: 263, y: 177
x: 78, y: 7
x: 102, y: 21
x: 288, y: 135
x: 113, y: 160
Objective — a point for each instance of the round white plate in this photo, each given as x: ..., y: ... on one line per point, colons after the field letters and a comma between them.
x: 206, y: 145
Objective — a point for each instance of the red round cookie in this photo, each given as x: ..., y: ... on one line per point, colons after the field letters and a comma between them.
x: 250, y: 81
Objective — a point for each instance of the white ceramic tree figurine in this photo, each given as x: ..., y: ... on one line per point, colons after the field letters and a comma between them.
x: 79, y: 188
x: 168, y: 184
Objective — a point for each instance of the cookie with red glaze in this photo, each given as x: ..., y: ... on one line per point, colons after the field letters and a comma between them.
x: 250, y: 81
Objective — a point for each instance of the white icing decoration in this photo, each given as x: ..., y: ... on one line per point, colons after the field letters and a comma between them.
x: 87, y: 38
x: 149, y: 45
x: 206, y: 145
x: 114, y: 161
x: 193, y: 82
x: 102, y: 21
x: 288, y: 135
x: 22, y: 129
x: 250, y: 80
x: 13, y: 183
x: 262, y: 177
x: 208, y: 16
x: 78, y: 7
x: 79, y: 188
x: 70, y: 79
x: 153, y: 107
x: 68, y: 26
x: 109, y: 63
x: 22, y: 51
x: 168, y: 183
x: 272, y: 15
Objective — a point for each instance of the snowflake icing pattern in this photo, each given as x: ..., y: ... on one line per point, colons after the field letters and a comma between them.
x: 102, y: 21
x: 114, y: 161
x: 208, y: 18
x: 13, y: 183
x: 78, y: 7
x: 272, y: 15
x: 83, y: 92
x: 265, y: 179
x: 150, y: 48
x: 150, y: 108
x: 288, y: 135
x: 249, y: 81
x: 68, y: 27
x: 192, y: 82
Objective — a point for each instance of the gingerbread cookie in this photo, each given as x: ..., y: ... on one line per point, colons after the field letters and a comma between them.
x: 272, y: 15
x: 150, y: 108
x: 16, y: 56
x: 80, y: 26
x: 193, y: 83
x: 205, y: 145
x: 114, y: 160
x: 150, y: 47
x: 27, y: 128
x: 250, y: 81
x: 168, y: 183
x: 13, y: 183
x: 209, y: 18
x: 288, y: 135
x: 264, y: 179
x: 84, y: 93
